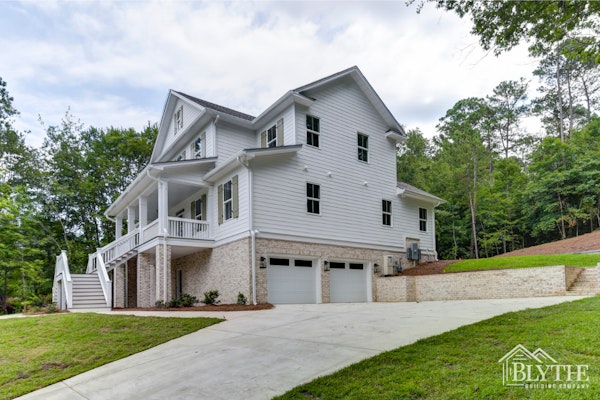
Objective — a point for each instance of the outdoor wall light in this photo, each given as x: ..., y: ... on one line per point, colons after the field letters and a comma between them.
x: 326, y: 265
x: 376, y: 269
x: 263, y: 264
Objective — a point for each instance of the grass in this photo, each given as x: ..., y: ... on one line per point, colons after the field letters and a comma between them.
x: 571, y: 260
x: 38, y: 351
x: 463, y: 364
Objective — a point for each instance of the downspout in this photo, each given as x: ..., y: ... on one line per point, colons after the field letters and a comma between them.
x: 250, y: 225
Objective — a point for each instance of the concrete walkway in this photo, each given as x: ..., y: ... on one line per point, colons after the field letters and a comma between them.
x: 260, y: 354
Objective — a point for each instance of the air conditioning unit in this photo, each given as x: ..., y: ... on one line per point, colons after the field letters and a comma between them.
x: 413, y: 252
x: 388, y: 265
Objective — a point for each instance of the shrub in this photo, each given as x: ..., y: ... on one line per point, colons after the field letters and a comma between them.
x: 242, y: 300
x: 211, y: 297
x: 187, y: 300
x: 159, y: 304
x: 174, y: 303
x: 52, y: 308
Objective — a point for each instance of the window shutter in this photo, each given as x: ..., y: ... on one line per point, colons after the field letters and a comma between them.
x: 220, y: 203
x: 193, y: 210
x: 234, y: 194
x: 263, y: 139
x: 204, y: 216
x: 280, y: 132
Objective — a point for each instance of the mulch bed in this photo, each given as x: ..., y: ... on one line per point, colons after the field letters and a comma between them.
x: 428, y: 269
x: 218, y: 307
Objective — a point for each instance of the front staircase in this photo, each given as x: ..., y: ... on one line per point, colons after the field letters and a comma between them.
x: 586, y: 284
x: 87, y: 292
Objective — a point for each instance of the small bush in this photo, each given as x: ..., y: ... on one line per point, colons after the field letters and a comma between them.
x: 187, y: 300
x: 211, y: 297
x: 174, y: 303
x: 51, y: 308
x: 159, y: 304
x: 242, y: 300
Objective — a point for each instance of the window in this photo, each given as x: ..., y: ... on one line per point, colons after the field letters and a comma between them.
x: 198, y: 212
x: 313, y: 196
x: 363, y: 147
x: 272, y: 137
x: 303, y: 263
x: 356, y: 266
x: 178, y: 120
x: 312, y: 131
x: 198, y: 147
x: 423, y: 219
x: 279, y: 261
x: 337, y: 265
x: 227, y: 200
x: 181, y: 156
x: 386, y: 212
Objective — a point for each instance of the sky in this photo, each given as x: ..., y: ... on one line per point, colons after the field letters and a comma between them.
x: 112, y: 63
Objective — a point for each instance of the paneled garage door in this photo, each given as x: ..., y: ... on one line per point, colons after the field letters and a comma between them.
x: 348, y: 282
x: 291, y: 281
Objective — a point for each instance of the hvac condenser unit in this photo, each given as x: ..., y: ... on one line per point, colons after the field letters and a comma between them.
x: 388, y: 265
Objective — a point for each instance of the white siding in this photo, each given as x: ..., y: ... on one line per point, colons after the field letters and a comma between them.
x: 350, y: 210
x: 233, y: 226
x: 289, y: 124
x: 231, y: 139
x: 189, y: 115
x: 408, y: 219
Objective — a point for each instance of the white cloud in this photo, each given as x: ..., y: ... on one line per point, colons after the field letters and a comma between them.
x: 113, y: 62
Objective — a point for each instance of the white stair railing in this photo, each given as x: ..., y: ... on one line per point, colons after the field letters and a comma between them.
x: 62, y: 287
x: 104, y: 279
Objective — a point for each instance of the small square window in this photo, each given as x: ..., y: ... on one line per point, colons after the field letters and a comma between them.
x: 386, y: 212
x: 363, y: 147
x: 312, y: 131
x: 313, y: 196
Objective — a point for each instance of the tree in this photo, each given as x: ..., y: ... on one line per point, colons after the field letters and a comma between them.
x: 414, y: 160
x: 501, y: 25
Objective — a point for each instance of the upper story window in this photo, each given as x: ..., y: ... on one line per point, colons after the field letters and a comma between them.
x: 178, y: 120
x: 312, y: 131
x: 228, y: 200
x: 386, y: 212
x: 423, y: 219
x: 313, y: 198
x: 198, y: 147
x: 272, y: 137
x: 181, y: 156
x: 363, y: 147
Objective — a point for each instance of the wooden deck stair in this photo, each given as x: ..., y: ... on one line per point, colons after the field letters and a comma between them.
x: 586, y: 284
x: 87, y: 292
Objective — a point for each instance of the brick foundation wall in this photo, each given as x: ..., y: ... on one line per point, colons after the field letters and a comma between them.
x: 119, y: 286
x: 225, y: 268
x: 495, y: 284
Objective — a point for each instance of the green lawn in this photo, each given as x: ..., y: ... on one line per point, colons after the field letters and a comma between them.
x: 38, y: 351
x: 463, y: 364
x: 571, y: 260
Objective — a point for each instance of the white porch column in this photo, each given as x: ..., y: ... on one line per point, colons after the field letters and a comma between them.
x: 130, y: 219
x: 143, y: 217
x: 163, y: 207
x: 118, y: 226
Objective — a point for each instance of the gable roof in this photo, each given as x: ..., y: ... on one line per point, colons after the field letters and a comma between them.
x: 216, y: 107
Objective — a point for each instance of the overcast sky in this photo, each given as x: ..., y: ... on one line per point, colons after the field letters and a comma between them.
x: 113, y: 63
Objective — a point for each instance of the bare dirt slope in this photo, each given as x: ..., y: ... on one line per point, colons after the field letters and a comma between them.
x: 579, y: 244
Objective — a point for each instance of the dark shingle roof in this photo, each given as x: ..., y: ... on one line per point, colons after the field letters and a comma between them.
x: 216, y: 107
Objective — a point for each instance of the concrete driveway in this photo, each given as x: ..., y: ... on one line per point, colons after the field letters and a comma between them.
x: 260, y: 354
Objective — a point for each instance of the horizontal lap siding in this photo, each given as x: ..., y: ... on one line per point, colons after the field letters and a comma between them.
x: 350, y: 211
x: 189, y: 114
x: 231, y: 139
x: 408, y: 218
x: 233, y: 226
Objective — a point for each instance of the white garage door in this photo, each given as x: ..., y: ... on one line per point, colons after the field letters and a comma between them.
x: 348, y: 282
x: 291, y: 281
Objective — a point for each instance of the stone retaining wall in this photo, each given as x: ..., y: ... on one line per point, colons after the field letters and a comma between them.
x: 494, y: 284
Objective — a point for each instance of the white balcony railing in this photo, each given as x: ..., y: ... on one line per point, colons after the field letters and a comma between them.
x: 188, y: 228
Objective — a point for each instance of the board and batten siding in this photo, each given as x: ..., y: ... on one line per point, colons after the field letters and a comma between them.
x: 351, y: 190
x: 190, y: 114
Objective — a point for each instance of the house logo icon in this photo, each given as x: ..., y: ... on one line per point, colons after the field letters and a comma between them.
x: 538, y: 370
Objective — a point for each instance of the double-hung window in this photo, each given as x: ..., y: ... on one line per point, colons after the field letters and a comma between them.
x: 312, y: 131
x: 423, y: 219
x: 227, y: 200
x: 313, y: 198
x: 178, y: 120
x: 198, y: 147
x: 272, y: 137
x: 386, y: 212
x: 181, y: 156
x: 363, y: 147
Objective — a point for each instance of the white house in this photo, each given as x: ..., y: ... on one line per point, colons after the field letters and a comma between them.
x: 297, y: 205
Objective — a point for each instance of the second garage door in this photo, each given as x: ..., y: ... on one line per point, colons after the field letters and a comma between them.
x: 348, y: 282
x: 291, y: 281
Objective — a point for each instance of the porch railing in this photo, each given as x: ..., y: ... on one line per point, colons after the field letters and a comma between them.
x: 188, y: 228
x: 62, y: 288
